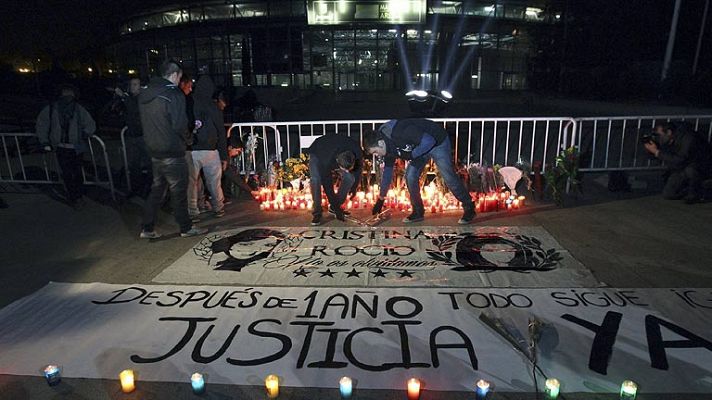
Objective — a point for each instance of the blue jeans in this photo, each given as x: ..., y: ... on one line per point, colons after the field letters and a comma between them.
x: 442, y: 155
x: 168, y: 174
x: 347, y: 182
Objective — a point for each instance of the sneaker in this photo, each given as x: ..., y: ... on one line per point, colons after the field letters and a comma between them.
x: 194, y: 231
x: 332, y: 212
x: 227, y: 201
x: 316, y: 220
x: 219, y: 214
x: 149, y: 235
x: 413, y: 217
x: 467, y: 217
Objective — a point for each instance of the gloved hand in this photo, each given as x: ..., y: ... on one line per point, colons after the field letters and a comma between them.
x: 405, y: 154
x: 340, y: 214
x: 377, y: 207
x: 47, y: 148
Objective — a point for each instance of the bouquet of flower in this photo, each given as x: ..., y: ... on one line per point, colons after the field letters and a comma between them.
x: 563, y: 175
x: 296, y: 168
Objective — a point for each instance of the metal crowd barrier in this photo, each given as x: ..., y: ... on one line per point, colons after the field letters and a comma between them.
x: 22, y: 161
x: 475, y: 140
x: 613, y: 143
x: 127, y: 170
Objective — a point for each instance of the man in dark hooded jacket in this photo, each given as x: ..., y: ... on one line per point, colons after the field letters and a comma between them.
x: 209, y: 150
x: 64, y: 127
x: 163, y: 119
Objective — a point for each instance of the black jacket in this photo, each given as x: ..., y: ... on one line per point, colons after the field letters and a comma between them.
x: 132, y: 116
x: 325, y: 149
x: 163, y: 119
x: 688, y: 148
x: 407, y: 134
x: 211, y: 135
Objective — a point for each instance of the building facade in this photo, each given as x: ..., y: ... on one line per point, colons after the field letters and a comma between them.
x: 347, y: 44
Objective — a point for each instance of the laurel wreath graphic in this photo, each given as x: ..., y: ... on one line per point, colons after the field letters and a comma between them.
x: 546, y: 259
x: 443, y: 243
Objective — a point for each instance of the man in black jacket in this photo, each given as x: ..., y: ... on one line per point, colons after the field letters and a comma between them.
x: 688, y: 158
x: 326, y: 154
x: 163, y: 119
x: 417, y: 140
x: 209, y: 149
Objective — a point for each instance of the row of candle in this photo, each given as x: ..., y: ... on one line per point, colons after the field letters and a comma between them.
x: 396, y: 199
x: 552, y: 387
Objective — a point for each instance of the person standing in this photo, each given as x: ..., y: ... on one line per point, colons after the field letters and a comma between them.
x: 417, y: 140
x: 64, y: 127
x: 326, y: 154
x: 209, y: 149
x: 164, y: 121
x: 136, y: 154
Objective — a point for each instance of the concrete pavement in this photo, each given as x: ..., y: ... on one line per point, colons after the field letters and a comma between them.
x: 631, y: 240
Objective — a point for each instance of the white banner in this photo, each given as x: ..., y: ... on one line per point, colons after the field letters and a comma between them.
x: 591, y: 339
x: 413, y: 256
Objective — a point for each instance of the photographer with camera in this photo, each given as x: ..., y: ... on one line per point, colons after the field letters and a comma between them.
x: 687, y: 156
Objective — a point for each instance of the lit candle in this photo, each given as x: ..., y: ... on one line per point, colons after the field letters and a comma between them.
x: 127, y: 381
x: 345, y: 387
x: 198, y: 383
x: 552, y: 388
x: 483, y: 388
x: 629, y: 390
x: 272, y: 384
x: 52, y: 374
x: 413, y: 389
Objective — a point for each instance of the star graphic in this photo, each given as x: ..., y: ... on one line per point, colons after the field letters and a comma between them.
x: 379, y: 273
x: 300, y: 272
x: 406, y: 274
x: 328, y: 273
x: 353, y: 273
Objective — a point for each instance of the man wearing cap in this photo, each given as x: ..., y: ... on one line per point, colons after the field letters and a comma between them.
x: 416, y: 140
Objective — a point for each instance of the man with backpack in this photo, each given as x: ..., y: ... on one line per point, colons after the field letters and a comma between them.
x: 64, y: 127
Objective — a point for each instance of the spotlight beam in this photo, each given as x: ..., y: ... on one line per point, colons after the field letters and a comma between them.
x: 427, y: 61
x: 468, y: 56
x: 452, y: 48
x: 403, y: 59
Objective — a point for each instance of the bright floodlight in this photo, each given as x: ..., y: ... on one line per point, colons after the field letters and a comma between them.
x: 447, y: 95
x: 417, y: 93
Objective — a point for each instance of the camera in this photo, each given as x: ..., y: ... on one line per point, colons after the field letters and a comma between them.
x: 651, y: 137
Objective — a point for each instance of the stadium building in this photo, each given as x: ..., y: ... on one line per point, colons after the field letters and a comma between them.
x: 349, y: 44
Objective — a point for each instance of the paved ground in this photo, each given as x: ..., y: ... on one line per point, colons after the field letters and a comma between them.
x: 630, y: 240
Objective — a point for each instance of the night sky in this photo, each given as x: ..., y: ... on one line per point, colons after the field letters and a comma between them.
x: 600, y: 29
